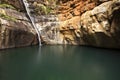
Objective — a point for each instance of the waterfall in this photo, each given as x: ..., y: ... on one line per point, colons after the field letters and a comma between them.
x: 50, y: 28
x: 25, y: 3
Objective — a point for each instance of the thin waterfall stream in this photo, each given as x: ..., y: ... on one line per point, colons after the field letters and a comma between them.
x: 26, y: 5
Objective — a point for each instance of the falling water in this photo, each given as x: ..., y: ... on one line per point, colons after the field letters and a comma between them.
x: 32, y: 20
x: 50, y: 28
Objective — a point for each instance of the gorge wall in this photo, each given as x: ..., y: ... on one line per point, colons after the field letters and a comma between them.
x: 74, y: 22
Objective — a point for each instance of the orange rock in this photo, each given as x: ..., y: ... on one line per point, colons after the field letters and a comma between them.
x: 76, y: 12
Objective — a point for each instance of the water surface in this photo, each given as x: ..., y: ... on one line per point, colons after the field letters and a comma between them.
x: 59, y: 63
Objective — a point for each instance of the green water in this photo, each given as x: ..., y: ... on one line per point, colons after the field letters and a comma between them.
x: 59, y: 63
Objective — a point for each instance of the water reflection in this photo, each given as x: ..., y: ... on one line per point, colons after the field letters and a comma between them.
x: 59, y: 63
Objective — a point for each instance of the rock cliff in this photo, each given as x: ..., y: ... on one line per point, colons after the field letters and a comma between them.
x: 15, y: 29
x: 75, y: 22
x: 90, y: 23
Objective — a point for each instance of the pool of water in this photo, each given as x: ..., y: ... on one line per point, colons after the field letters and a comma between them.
x: 59, y: 63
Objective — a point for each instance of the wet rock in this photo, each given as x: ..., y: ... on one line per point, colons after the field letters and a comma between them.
x: 15, y: 30
x: 49, y: 28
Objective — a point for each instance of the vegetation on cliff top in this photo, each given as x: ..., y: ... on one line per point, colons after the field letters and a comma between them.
x: 6, y: 6
x: 43, y: 7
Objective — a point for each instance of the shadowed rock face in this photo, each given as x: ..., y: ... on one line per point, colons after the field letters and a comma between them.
x: 77, y: 22
x: 115, y: 26
x: 15, y: 30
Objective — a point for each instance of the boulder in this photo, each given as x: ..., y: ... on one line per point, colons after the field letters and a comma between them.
x: 15, y: 30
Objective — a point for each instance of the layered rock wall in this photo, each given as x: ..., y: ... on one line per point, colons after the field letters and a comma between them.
x: 15, y: 29
x: 74, y: 22
x: 97, y: 26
